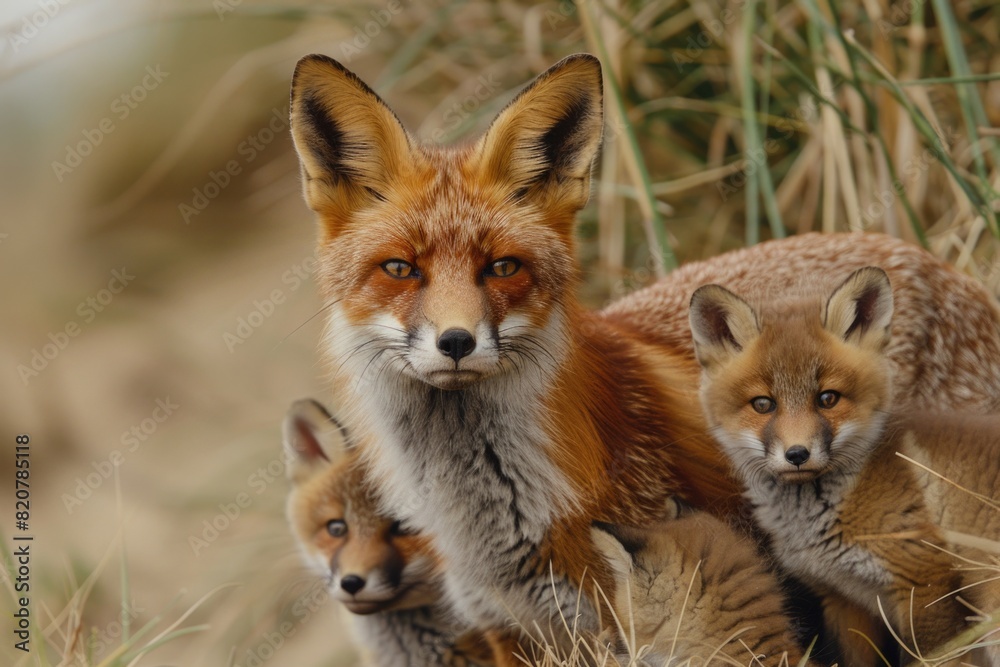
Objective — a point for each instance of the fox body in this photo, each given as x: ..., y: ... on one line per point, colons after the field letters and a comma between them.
x: 385, y: 575
x: 497, y: 415
x: 798, y: 393
x: 691, y: 590
x: 944, y: 348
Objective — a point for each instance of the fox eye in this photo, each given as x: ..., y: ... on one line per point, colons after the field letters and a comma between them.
x: 397, y: 268
x: 503, y: 268
x: 336, y: 527
x: 827, y: 399
x: 763, y: 404
x: 399, y: 530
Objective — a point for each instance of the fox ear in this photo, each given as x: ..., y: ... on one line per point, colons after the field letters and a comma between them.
x: 860, y: 310
x: 350, y: 144
x: 312, y: 439
x: 722, y: 324
x: 616, y: 545
x: 543, y: 144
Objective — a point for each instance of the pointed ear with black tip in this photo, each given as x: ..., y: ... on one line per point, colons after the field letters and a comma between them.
x: 312, y: 439
x: 722, y: 324
x: 542, y: 146
x: 859, y: 312
x: 350, y: 144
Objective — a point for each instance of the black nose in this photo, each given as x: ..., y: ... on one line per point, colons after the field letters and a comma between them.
x: 456, y: 343
x: 797, y: 455
x: 352, y: 583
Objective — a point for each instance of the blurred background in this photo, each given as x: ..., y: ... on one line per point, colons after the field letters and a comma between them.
x: 156, y: 253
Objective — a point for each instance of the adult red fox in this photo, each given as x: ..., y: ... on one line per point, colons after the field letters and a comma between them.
x: 798, y: 392
x: 389, y: 577
x: 499, y: 416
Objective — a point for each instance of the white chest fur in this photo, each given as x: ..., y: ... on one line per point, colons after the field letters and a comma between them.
x: 803, y: 521
x: 472, y: 468
x: 474, y: 472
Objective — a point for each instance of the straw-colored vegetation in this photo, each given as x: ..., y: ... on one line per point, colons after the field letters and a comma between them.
x: 727, y: 123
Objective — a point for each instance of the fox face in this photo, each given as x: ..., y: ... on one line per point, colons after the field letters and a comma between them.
x: 372, y: 563
x: 447, y: 265
x: 797, y: 389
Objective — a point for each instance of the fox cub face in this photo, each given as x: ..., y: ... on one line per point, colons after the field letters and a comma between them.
x: 371, y: 562
x: 799, y: 388
x: 447, y: 265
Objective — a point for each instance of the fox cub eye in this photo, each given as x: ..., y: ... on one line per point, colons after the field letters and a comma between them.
x: 336, y: 528
x: 503, y: 268
x: 399, y: 530
x: 397, y: 268
x: 827, y: 399
x: 763, y: 404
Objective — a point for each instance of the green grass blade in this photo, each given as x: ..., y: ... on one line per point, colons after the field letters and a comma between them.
x: 968, y: 97
x: 663, y: 254
x: 408, y: 51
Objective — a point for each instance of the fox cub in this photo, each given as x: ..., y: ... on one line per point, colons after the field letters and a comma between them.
x: 379, y: 571
x: 691, y: 590
x: 477, y: 382
x: 798, y: 395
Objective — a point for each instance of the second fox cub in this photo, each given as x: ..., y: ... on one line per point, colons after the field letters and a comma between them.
x: 387, y: 576
x: 691, y: 590
x: 798, y: 393
x: 499, y: 416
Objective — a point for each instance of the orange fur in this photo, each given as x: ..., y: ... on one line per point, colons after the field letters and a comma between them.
x: 799, y: 393
x: 618, y: 407
x: 405, y: 619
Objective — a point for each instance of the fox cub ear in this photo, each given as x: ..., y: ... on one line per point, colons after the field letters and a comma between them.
x: 312, y: 439
x: 722, y: 324
x: 350, y: 144
x: 543, y: 144
x: 860, y: 310
x: 616, y: 545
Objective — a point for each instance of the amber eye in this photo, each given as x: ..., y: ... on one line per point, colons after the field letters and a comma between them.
x: 827, y: 399
x: 763, y: 404
x: 503, y: 268
x: 399, y: 530
x: 336, y: 527
x: 397, y: 268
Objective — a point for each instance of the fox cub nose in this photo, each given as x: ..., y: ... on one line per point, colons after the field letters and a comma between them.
x: 797, y: 455
x: 352, y: 583
x: 456, y: 343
